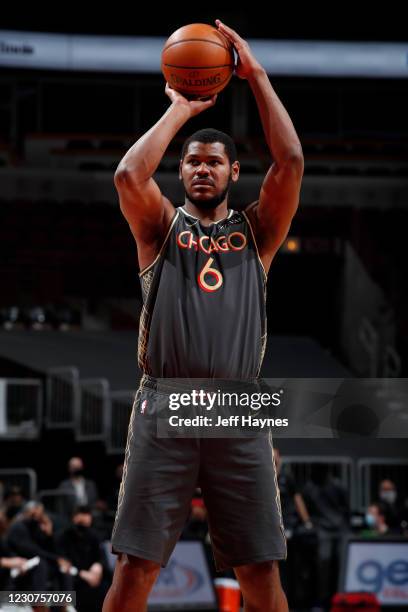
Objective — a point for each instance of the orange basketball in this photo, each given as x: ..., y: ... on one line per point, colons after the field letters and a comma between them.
x: 197, y: 60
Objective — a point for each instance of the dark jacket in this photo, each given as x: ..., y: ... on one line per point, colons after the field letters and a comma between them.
x: 26, y: 539
x: 80, y: 546
x: 67, y: 503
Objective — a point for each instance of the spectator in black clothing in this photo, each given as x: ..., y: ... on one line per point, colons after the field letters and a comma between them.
x: 80, y: 490
x: 13, y: 500
x: 8, y: 561
x: 294, y: 509
x: 395, y: 510
x: 327, y: 503
x: 31, y: 535
x: 81, y: 546
x: 298, y: 571
x: 326, y: 500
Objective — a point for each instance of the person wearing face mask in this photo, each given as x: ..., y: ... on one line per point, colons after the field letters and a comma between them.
x: 80, y: 545
x: 388, y: 495
x: 76, y: 490
x: 32, y: 535
x: 376, y: 521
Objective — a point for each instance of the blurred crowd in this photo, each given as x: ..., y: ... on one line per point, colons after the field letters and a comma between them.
x: 60, y: 546
x: 63, y: 544
x: 317, y: 520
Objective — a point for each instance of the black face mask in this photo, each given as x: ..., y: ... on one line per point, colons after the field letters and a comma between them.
x: 81, y: 529
x: 79, y: 472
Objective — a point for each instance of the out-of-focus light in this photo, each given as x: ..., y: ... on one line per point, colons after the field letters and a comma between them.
x: 292, y: 245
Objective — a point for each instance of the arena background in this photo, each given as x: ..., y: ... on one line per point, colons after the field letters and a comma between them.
x: 70, y: 296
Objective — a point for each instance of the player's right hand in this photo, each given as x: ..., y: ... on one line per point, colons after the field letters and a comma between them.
x: 194, y: 106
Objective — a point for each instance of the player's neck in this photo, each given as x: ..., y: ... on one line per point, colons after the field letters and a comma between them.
x: 206, y: 215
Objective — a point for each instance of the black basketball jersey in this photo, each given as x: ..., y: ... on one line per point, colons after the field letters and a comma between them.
x: 204, y: 301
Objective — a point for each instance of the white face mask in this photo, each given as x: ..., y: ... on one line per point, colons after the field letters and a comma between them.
x: 389, y: 496
x: 370, y: 520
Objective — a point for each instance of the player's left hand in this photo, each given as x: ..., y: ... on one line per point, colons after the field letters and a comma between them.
x: 247, y: 63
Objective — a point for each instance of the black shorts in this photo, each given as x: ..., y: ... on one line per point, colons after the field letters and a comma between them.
x: 237, y: 477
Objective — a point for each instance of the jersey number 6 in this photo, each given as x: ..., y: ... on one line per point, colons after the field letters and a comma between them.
x: 207, y: 269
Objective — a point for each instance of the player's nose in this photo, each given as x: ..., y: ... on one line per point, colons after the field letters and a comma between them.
x: 202, y: 169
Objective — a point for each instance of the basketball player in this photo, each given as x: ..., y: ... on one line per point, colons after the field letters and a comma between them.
x: 203, y: 273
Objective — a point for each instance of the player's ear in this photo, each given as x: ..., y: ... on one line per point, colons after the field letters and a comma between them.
x: 235, y: 171
x: 180, y: 175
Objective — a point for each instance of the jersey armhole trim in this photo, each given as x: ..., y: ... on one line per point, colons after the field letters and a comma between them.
x: 162, y: 246
x: 256, y: 246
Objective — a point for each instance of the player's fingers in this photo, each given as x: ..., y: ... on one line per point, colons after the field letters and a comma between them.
x: 236, y: 41
x: 170, y: 89
x: 212, y: 100
x: 227, y: 34
x: 228, y: 31
x: 203, y: 104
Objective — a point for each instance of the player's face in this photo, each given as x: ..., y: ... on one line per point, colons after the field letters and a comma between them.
x: 207, y: 173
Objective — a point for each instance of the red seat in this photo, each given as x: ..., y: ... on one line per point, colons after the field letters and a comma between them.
x: 344, y: 602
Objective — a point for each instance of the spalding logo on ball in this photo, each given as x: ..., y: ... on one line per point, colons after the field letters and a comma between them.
x: 197, y: 60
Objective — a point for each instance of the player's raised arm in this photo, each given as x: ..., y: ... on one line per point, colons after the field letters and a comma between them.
x: 279, y: 195
x: 141, y: 201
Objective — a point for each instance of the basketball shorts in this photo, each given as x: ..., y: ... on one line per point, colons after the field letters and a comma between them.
x: 237, y: 477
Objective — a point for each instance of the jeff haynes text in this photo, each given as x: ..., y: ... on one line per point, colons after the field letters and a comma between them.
x: 231, y: 421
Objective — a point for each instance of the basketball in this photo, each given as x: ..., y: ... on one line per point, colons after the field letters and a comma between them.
x: 197, y: 60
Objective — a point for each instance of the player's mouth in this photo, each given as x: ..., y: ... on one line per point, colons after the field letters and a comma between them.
x: 202, y: 183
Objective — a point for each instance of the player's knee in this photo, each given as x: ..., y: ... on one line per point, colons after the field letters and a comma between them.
x: 260, y: 584
x: 137, y: 571
x: 255, y: 573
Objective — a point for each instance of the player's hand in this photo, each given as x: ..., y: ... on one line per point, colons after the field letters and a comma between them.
x: 194, y: 106
x: 247, y: 62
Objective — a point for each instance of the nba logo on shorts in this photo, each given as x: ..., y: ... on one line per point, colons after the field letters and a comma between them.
x: 143, y: 407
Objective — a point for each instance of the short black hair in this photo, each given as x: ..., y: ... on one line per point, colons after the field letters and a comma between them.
x: 12, y: 490
x: 81, y: 509
x: 208, y: 135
